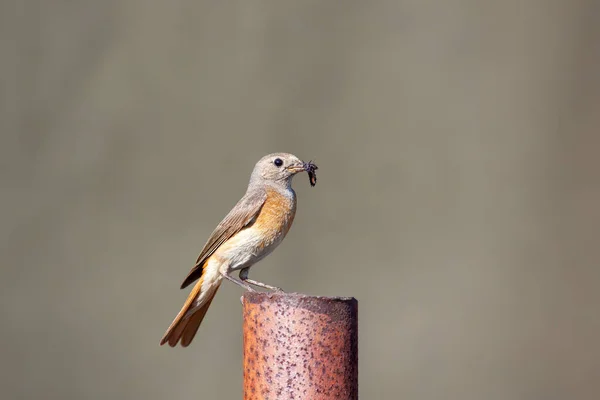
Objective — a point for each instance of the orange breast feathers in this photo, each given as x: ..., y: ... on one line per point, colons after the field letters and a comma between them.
x: 276, y: 216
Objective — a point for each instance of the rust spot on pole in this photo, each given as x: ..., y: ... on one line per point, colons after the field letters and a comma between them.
x: 300, y: 347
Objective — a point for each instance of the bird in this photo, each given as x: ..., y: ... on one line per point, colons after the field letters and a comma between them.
x: 255, y: 226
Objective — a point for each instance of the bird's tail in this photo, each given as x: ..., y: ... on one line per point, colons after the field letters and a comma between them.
x: 186, y: 323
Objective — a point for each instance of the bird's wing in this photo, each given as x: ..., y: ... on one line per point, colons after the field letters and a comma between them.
x: 242, y: 215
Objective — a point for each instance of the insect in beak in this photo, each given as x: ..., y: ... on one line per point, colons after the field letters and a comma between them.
x: 310, y: 167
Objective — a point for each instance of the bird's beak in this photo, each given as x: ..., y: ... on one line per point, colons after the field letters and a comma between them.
x: 297, y: 167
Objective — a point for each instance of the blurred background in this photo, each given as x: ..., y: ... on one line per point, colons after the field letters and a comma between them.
x: 458, y: 194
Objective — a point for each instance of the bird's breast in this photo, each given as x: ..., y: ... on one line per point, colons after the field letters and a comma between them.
x: 276, y: 215
x: 258, y: 240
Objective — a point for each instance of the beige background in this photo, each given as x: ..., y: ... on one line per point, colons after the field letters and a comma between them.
x: 457, y: 200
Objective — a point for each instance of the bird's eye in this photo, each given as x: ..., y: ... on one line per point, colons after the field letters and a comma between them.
x: 278, y: 162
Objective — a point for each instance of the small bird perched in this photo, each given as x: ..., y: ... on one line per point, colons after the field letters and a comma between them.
x: 250, y: 232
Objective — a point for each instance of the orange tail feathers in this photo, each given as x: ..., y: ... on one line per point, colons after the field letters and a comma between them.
x: 185, y: 325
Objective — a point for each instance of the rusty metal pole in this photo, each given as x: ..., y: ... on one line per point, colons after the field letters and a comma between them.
x: 300, y: 347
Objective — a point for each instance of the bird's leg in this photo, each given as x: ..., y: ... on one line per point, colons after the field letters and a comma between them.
x: 242, y: 284
x: 244, y: 278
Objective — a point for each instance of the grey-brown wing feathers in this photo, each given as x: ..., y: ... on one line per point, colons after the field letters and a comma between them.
x: 242, y: 215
